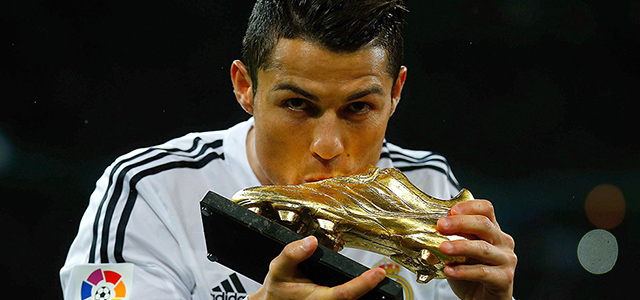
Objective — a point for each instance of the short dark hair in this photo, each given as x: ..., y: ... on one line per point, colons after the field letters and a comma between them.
x: 338, y: 25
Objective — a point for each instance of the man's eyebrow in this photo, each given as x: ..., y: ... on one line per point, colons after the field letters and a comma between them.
x: 363, y: 93
x: 302, y: 92
x: 295, y: 89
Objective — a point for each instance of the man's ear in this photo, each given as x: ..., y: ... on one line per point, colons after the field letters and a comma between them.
x: 397, y: 88
x: 242, y: 85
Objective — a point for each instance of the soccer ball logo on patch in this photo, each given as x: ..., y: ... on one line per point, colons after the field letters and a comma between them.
x: 103, y: 285
x: 103, y: 293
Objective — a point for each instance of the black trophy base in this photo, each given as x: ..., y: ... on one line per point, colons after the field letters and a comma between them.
x: 247, y: 242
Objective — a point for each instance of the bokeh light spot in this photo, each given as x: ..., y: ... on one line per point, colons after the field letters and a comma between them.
x: 605, y: 206
x: 598, y: 251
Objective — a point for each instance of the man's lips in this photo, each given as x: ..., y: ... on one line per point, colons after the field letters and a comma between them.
x: 318, y: 177
x: 314, y: 179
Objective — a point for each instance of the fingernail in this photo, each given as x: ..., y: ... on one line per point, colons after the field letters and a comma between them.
x: 449, y: 271
x: 444, y: 223
x: 445, y: 247
x: 380, y: 275
x: 306, y: 243
x: 454, y: 211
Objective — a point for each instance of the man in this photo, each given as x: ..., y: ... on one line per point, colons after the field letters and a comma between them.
x: 321, y: 80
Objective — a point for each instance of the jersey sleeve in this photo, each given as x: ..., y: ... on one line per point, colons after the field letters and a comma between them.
x: 133, y: 241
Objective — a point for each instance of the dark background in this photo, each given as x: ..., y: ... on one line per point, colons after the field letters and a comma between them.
x: 532, y: 101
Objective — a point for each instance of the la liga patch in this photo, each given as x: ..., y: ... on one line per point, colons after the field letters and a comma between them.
x: 103, y: 282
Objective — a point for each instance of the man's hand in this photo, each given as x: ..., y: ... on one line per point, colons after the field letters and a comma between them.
x: 490, y: 267
x: 284, y: 281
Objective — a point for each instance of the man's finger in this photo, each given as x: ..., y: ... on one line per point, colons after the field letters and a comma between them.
x: 470, y: 225
x: 358, y: 286
x: 285, y: 265
x: 475, y: 207
x: 495, y: 279
x: 479, y: 250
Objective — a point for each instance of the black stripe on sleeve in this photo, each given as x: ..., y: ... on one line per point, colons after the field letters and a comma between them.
x: 424, y: 162
x: 96, y: 221
x: 133, y: 194
x: 441, y: 170
x: 408, y: 158
x: 113, y: 201
x: 116, y: 183
x: 384, y: 152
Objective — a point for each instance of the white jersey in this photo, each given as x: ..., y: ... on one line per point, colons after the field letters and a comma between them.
x: 141, y: 236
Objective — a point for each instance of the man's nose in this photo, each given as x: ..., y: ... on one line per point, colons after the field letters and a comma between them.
x: 327, y: 142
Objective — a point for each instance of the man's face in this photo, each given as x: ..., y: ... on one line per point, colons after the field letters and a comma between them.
x: 318, y: 114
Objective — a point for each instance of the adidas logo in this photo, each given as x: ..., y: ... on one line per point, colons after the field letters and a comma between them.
x: 229, y: 289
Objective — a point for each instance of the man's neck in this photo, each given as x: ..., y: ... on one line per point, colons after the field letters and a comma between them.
x: 253, y: 158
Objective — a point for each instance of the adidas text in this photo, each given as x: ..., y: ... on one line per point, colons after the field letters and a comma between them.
x: 228, y: 296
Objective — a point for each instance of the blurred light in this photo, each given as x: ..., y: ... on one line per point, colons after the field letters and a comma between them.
x: 598, y: 251
x: 605, y: 206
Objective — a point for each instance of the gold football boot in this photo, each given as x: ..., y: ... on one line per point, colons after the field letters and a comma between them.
x: 378, y: 210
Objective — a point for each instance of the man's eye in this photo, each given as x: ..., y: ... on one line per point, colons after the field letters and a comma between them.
x: 297, y: 103
x: 359, y: 107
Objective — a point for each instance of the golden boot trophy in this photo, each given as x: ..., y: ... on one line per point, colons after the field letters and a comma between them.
x: 378, y: 210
